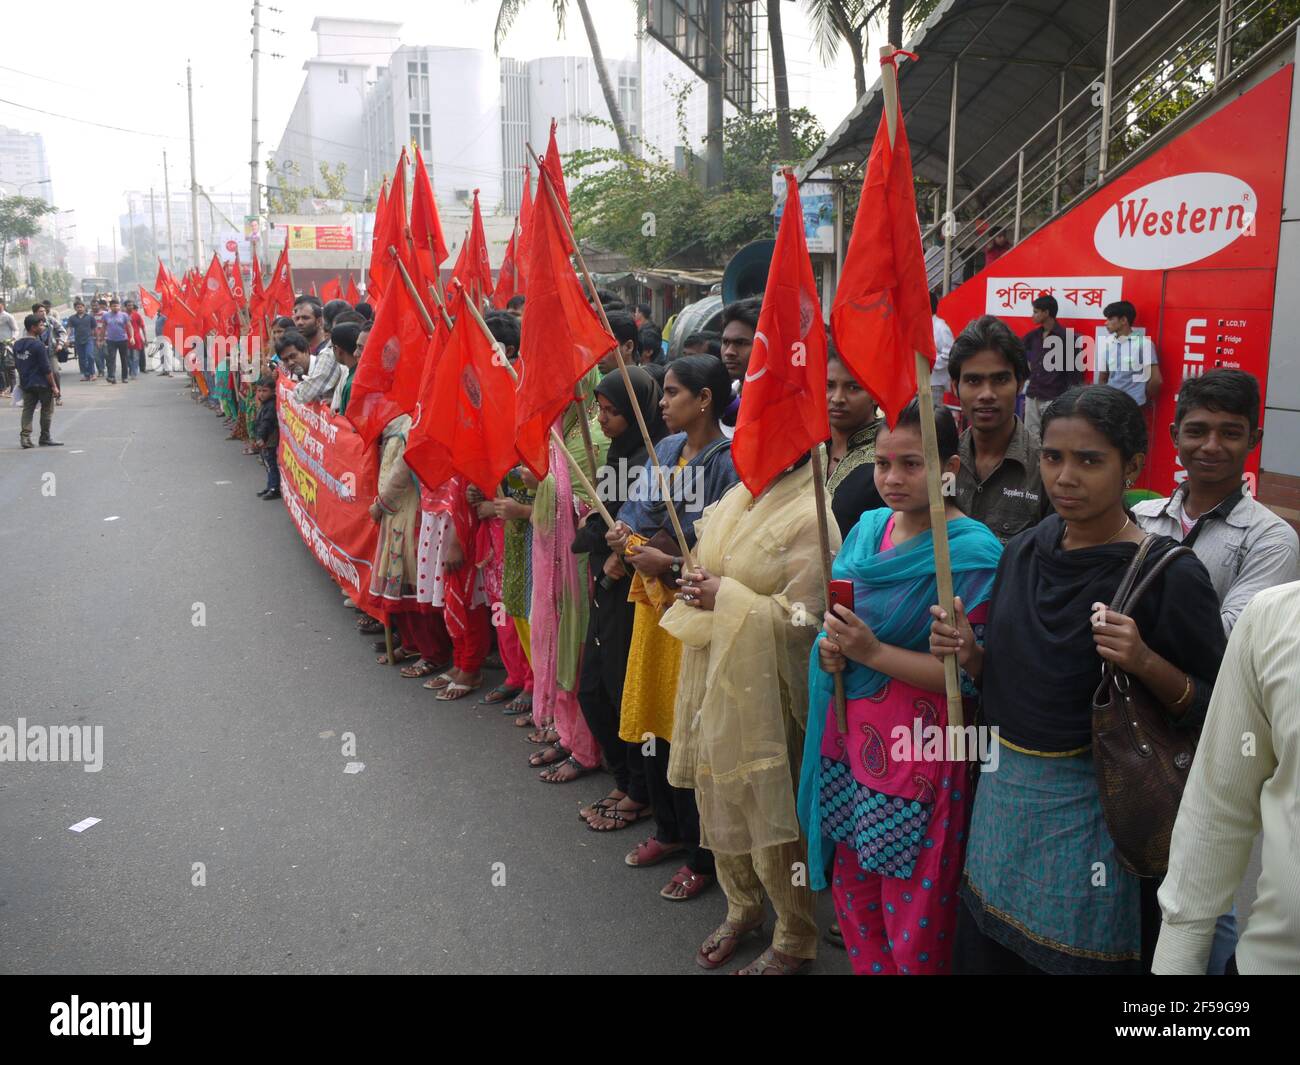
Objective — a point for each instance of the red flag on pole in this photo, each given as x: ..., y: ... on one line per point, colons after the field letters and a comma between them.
x: 467, y: 411
x: 472, y: 267
x: 783, y: 400
x: 426, y: 227
x: 218, y: 303
x: 148, y: 303
x: 525, y: 235
x: 562, y: 336
x: 280, y: 292
x: 508, y: 276
x: 237, y: 283
x: 378, y: 250
x: 353, y: 297
x: 387, y: 381
x: 881, y: 314
x: 331, y: 290
x: 555, y: 169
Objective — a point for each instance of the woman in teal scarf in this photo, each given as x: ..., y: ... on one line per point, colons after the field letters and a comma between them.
x: 893, y: 814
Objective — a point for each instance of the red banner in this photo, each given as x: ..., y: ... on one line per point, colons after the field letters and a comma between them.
x: 328, y: 479
x: 1188, y: 236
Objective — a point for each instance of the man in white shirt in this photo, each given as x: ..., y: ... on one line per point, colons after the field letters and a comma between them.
x: 1245, y: 778
x: 1127, y: 359
x: 942, y: 345
x: 1244, y: 546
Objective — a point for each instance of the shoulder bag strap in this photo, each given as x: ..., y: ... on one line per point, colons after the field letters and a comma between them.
x: 1155, y: 571
x: 1134, y: 567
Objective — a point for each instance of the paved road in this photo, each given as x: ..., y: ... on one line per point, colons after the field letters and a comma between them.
x: 222, y: 746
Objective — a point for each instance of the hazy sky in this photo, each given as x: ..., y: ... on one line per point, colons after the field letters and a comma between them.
x: 123, y: 65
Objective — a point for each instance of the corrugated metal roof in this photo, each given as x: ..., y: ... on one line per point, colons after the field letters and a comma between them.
x: 1012, y: 56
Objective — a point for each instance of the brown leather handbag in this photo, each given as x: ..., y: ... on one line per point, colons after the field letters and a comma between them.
x: 1140, y: 757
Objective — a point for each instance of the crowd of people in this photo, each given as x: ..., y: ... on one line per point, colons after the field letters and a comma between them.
x: 699, y: 671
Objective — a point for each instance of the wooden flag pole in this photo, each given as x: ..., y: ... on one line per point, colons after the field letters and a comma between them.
x: 574, y: 465
x: 544, y: 178
x: 585, y: 428
x: 437, y: 271
x: 824, y: 537
x: 929, y: 439
x: 442, y: 307
x: 415, y: 293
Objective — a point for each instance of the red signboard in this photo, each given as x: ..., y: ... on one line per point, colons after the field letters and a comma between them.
x: 328, y: 478
x: 1188, y: 236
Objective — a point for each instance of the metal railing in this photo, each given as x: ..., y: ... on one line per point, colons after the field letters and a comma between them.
x: 1063, y: 161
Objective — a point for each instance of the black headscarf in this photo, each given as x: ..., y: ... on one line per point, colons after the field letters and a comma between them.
x: 648, y: 394
x: 629, y: 447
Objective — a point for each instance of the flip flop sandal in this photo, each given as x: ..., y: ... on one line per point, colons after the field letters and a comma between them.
x: 400, y: 654
x: 370, y: 628
x: 691, y: 883
x: 521, y: 704
x: 621, y: 818
x: 457, y: 690
x: 651, y: 852
x: 545, y: 736
x: 525, y: 721
x: 550, y: 776
x: 768, y: 964
x: 422, y: 668
x: 725, y: 937
x: 502, y: 693
x: 438, y: 683
x: 585, y: 813
x: 539, y: 759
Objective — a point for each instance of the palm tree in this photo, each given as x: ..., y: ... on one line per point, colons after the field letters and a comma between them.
x: 834, y: 21
x: 780, y: 81
x: 506, y: 15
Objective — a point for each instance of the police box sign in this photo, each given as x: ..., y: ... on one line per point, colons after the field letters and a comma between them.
x: 1175, y: 221
x: 1076, y: 297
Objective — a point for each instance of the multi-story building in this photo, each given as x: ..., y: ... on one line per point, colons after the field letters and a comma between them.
x: 221, y: 220
x: 23, y: 167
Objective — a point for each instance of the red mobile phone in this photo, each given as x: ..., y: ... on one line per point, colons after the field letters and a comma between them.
x: 841, y: 594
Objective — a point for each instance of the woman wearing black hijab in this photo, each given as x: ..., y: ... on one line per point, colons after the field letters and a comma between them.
x: 609, y: 632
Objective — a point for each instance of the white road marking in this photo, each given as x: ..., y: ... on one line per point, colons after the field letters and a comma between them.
x: 354, y: 767
x: 81, y: 826
x: 113, y: 518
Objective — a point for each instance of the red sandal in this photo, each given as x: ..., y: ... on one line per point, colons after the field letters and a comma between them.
x: 691, y: 883
x: 651, y: 852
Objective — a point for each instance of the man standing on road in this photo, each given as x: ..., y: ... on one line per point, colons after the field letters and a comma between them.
x: 52, y: 335
x: 116, y: 324
x: 82, y: 328
x: 8, y: 334
x: 135, y: 335
x: 38, y: 382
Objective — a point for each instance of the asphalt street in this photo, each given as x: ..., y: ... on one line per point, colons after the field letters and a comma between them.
x: 223, y: 745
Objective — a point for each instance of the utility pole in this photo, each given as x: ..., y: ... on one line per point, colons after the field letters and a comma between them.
x: 153, y: 221
x: 135, y: 258
x: 167, y: 206
x: 716, y: 75
x: 254, y: 187
x: 117, y: 280
x: 197, y: 239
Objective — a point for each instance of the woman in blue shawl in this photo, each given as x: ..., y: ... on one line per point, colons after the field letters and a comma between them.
x: 890, y: 797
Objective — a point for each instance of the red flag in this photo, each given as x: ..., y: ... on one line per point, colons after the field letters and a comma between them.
x: 783, y: 399
x: 562, y: 336
x: 218, y: 302
x: 280, y: 291
x: 555, y: 170
x: 472, y: 267
x: 148, y: 303
x: 331, y: 290
x: 467, y: 411
x: 508, y: 276
x: 387, y: 378
x: 163, y: 278
x: 353, y: 297
x: 237, y: 282
x: 881, y: 313
x: 379, y: 234
x: 525, y: 235
x: 426, y: 227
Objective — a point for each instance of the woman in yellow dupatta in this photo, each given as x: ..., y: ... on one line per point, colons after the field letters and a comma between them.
x: 747, y: 618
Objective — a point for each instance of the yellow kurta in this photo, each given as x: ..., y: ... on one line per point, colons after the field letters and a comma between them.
x: 650, y: 686
x: 742, y: 691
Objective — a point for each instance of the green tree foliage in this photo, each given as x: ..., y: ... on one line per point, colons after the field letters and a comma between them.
x: 20, y: 216
x: 656, y: 215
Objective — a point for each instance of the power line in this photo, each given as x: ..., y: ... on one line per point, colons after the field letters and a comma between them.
x: 88, y: 122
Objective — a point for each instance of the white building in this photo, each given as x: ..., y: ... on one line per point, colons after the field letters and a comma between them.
x: 328, y: 118
x: 661, y: 132
x: 23, y: 167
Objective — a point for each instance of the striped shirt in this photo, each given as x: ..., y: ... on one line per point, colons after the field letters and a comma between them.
x: 1246, y: 776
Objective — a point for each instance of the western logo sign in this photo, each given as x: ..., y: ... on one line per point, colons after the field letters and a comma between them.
x: 1175, y: 221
